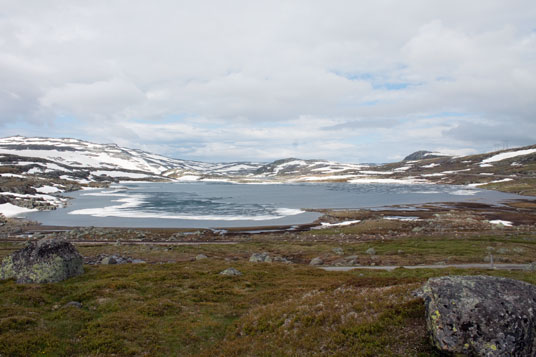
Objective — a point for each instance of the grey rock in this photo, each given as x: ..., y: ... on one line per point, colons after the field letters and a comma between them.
x: 43, y: 261
x: 371, y: 251
x: 108, y: 261
x: 260, y: 258
x: 282, y: 260
x: 481, y: 315
x: 200, y: 257
x: 316, y: 261
x: 532, y: 266
x: 137, y: 261
x: 74, y: 304
x: 338, y: 251
x: 352, y: 259
x: 230, y: 272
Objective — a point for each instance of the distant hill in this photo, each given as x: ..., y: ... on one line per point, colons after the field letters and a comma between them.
x: 35, y: 171
x: 420, y: 155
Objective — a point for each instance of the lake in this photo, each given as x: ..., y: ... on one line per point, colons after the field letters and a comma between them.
x: 207, y: 205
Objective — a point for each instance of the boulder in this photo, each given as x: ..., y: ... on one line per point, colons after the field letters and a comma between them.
x: 43, y: 261
x: 371, y: 251
x: 200, y: 257
x: 481, y: 315
x: 230, y: 272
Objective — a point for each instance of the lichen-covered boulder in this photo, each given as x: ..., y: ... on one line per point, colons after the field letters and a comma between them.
x: 43, y: 261
x: 481, y: 315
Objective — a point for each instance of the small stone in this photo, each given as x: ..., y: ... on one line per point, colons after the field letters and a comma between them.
x: 138, y: 261
x: 338, y: 251
x: 352, y: 260
x: 371, y: 251
x: 230, y: 272
x: 282, y: 260
x: 108, y: 261
x: 316, y: 261
x: 200, y: 257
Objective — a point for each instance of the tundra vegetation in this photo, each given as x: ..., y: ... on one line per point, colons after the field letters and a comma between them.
x: 177, y: 305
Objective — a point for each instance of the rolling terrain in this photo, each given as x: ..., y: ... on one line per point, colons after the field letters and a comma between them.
x: 35, y: 171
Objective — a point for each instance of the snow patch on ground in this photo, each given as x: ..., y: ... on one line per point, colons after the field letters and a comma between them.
x: 47, y: 189
x: 504, y: 223
x: 508, y: 155
x: 401, y: 218
x: 369, y: 172
x: 10, y: 210
x: 404, y: 181
x: 340, y: 224
x: 12, y: 175
x: 485, y: 183
x: 429, y: 166
x: 404, y: 168
x: 187, y: 178
x: 437, y: 174
x: 323, y: 178
x: 119, y: 174
x: 463, y: 192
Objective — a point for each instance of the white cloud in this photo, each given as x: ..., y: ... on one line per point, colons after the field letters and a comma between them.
x: 271, y: 75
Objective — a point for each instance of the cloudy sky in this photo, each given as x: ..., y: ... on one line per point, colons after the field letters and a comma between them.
x: 353, y: 81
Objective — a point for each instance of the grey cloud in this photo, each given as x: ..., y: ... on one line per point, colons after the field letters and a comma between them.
x: 364, y: 124
x: 249, y: 66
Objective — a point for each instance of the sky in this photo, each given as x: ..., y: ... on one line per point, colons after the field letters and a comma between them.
x: 350, y: 81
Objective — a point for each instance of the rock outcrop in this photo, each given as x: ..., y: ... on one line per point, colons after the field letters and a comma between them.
x: 43, y: 261
x: 481, y: 315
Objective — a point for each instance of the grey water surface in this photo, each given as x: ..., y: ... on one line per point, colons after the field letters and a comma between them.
x: 206, y: 205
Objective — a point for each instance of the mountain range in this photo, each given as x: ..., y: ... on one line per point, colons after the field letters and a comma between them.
x: 34, y: 171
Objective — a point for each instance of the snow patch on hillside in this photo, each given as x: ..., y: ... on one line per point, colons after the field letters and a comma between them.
x: 508, y: 155
x: 9, y: 210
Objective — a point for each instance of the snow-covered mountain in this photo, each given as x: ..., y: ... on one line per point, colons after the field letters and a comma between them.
x: 35, y: 171
x: 83, y: 154
x: 83, y: 162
